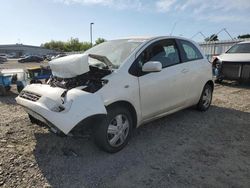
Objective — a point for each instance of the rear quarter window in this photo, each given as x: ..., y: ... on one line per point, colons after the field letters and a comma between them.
x: 190, y: 51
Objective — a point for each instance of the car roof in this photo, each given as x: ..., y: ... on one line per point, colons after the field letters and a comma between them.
x: 244, y: 42
x: 148, y: 38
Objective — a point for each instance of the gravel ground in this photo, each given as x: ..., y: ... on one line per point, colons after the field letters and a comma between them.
x: 185, y: 149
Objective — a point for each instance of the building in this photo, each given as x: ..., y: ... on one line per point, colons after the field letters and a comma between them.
x: 18, y: 50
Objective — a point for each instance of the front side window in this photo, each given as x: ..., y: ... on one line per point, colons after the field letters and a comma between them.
x: 164, y: 51
x: 190, y: 51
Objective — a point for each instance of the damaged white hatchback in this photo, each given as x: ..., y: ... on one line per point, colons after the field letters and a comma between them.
x: 118, y: 85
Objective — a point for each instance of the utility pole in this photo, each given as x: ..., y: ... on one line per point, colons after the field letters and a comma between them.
x: 91, y: 33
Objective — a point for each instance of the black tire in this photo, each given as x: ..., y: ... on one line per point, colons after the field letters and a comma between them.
x: 203, y: 104
x: 103, y: 138
x: 19, y: 88
x: 3, y: 91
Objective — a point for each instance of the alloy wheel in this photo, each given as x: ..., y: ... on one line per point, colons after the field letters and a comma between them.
x: 207, y: 97
x: 118, y: 130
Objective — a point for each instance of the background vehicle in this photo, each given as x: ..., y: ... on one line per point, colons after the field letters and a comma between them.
x: 57, y: 56
x: 31, y: 58
x: 3, y: 58
x: 119, y: 85
x: 3, y: 55
x: 37, y: 74
x: 11, y: 55
x: 5, y: 82
x: 15, y: 76
x: 234, y: 64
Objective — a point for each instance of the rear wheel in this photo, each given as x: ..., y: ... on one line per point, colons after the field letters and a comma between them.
x: 113, y: 134
x: 206, y: 98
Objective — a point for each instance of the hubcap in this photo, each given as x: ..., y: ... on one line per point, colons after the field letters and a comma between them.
x: 118, y: 130
x: 207, y: 97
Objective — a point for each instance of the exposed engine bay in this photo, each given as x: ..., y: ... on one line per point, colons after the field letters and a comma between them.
x: 77, y: 71
x: 91, y: 81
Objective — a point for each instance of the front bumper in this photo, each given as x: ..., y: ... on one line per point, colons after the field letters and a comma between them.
x: 47, y: 106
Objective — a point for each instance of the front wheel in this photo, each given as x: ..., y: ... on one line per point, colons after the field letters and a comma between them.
x: 206, y: 98
x: 113, y: 134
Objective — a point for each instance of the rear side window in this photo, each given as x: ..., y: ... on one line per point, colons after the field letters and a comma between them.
x: 190, y: 51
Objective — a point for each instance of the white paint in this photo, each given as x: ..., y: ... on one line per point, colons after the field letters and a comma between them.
x: 69, y: 66
x: 152, y: 95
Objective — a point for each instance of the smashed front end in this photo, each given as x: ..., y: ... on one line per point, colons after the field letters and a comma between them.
x: 69, y: 96
x: 230, y: 69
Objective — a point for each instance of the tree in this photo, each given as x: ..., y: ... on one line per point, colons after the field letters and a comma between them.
x: 99, y: 41
x: 213, y: 37
x: 85, y: 46
x: 73, y: 44
x: 54, y: 45
x: 244, y: 36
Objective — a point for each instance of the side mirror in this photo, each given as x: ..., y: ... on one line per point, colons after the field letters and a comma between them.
x: 152, y: 66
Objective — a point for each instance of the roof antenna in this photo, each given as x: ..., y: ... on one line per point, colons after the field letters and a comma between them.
x: 173, y: 28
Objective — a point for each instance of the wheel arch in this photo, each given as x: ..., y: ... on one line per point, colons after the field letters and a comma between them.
x: 127, y: 105
x: 211, y: 83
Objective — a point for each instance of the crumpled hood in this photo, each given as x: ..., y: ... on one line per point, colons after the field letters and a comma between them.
x: 235, y: 57
x: 70, y: 66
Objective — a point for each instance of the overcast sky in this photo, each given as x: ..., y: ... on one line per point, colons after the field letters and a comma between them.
x: 37, y: 21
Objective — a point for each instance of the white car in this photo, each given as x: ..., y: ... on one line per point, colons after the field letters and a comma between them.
x: 234, y: 64
x: 119, y: 85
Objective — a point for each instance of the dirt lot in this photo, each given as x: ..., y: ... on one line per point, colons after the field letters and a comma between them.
x: 186, y: 149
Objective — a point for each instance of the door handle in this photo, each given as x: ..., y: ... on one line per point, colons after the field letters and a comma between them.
x: 184, y: 70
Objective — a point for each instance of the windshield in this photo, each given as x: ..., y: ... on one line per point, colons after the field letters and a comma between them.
x: 116, y: 51
x: 240, y: 48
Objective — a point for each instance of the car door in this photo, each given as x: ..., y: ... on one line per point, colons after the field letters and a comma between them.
x: 195, y: 65
x: 165, y: 90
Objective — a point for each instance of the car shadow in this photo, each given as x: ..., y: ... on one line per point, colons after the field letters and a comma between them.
x: 9, y: 98
x: 235, y: 84
x: 173, y: 151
